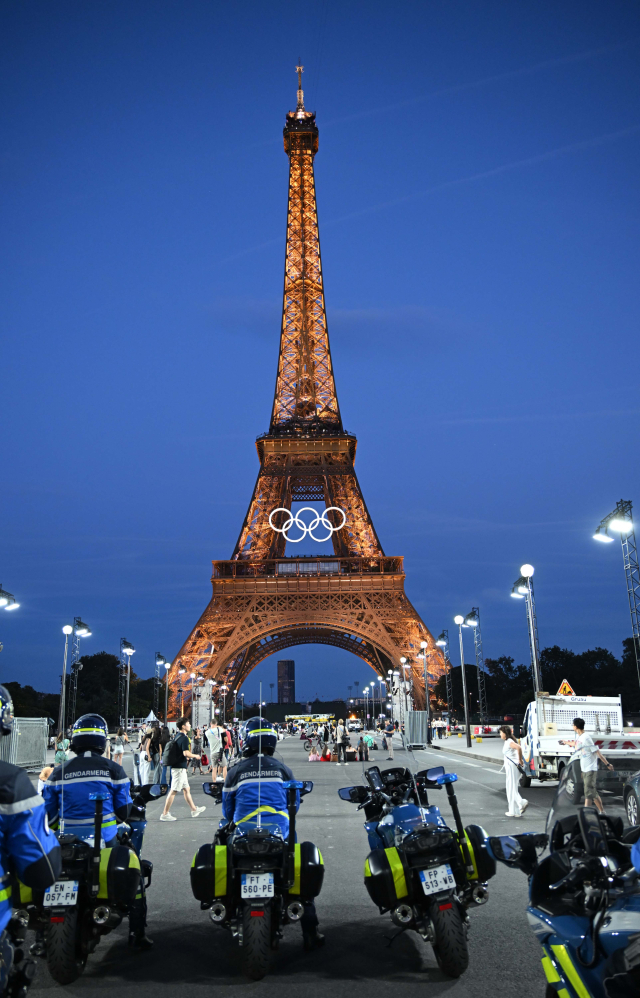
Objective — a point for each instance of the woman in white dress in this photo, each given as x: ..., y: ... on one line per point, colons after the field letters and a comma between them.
x: 512, y: 759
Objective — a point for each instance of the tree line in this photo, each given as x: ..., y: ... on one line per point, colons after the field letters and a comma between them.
x: 97, y: 692
x: 509, y: 687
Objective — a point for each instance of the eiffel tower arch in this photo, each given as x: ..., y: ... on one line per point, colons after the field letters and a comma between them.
x: 264, y: 602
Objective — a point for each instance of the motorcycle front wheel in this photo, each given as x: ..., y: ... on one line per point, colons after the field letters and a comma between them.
x: 256, y: 941
x: 63, y: 947
x: 450, y: 945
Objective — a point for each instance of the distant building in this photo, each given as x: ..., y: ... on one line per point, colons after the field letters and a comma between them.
x: 287, y: 681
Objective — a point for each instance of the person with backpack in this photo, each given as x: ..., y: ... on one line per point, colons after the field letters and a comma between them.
x: 178, y: 755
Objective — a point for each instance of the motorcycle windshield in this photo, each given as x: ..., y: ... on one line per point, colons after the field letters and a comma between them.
x: 611, y: 787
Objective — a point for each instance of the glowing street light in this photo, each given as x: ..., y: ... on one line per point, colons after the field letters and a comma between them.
x: 7, y: 600
x: 523, y: 589
x: 620, y: 520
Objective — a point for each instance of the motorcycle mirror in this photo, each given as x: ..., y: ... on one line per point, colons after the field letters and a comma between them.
x: 307, y: 787
x: 433, y: 774
x: 505, y: 848
x: 212, y: 790
x: 155, y: 790
x: 354, y: 795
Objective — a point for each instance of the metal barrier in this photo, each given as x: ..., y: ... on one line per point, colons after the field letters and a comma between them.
x: 416, y: 728
x: 26, y: 746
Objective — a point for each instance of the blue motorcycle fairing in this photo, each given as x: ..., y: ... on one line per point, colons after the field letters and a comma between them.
x: 406, y: 818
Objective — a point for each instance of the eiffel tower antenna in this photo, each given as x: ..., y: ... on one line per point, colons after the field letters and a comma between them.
x: 300, y: 71
x: 263, y: 600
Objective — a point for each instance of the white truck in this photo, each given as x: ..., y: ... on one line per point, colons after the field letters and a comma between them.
x: 548, y: 722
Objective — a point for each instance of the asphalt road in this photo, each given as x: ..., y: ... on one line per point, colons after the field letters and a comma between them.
x: 190, y: 953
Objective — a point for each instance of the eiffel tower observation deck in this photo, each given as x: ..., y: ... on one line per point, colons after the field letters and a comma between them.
x: 264, y: 602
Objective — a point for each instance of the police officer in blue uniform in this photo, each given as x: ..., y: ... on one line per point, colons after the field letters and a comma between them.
x: 255, y: 786
x: 67, y: 795
x: 28, y: 849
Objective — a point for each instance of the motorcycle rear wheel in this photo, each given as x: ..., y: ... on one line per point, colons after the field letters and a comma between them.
x: 450, y: 945
x: 256, y: 942
x: 63, y: 947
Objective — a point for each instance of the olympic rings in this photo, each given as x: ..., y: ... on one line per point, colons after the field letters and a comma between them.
x: 310, y: 527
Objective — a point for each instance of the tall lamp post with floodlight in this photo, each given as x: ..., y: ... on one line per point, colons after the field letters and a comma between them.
x: 459, y: 620
x: 167, y: 666
x: 7, y: 602
x: 66, y: 630
x: 442, y: 641
x: 126, y: 650
x: 473, y: 620
x: 80, y: 630
x: 620, y: 520
x: 223, y: 690
x: 427, y: 706
x: 523, y: 589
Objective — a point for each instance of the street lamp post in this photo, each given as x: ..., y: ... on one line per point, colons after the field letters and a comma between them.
x: 473, y: 620
x: 366, y: 707
x: 443, y: 642
x: 620, y: 520
x: 126, y: 648
x: 427, y: 706
x: 223, y: 690
x: 66, y: 630
x: 459, y: 620
x: 167, y: 666
x: 523, y: 589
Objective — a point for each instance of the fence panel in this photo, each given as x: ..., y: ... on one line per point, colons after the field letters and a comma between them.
x: 416, y: 727
x: 26, y: 746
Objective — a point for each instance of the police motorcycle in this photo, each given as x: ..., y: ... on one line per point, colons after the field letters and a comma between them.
x: 584, y: 895
x: 99, y: 884
x: 253, y: 880
x: 28, y: 850
x: 424, y: 873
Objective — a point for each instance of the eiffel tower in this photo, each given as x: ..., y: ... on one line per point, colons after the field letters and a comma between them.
x: 264, y: 602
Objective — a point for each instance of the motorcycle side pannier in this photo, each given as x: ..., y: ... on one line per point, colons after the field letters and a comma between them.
x: 384, y: 877
x: 209, y: 872
x: 309, y: 871
x: 119, y: 875
x: 484, y: 864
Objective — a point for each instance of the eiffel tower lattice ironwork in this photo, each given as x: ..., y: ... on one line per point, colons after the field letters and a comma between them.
x: 264, y: 602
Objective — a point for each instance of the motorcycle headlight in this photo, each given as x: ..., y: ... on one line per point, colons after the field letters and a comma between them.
x: 427, y: 839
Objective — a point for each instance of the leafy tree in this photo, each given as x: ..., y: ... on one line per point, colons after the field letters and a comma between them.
x: 29, y: 702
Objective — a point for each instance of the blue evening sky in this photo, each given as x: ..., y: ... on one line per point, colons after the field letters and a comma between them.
x: 477, y: 185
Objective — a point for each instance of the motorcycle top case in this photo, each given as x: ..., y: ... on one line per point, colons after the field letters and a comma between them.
x: 119, y: 875
x: 210, y: 875
x: 309, y: 871
x: 385, y: 877
x: 484, y: 865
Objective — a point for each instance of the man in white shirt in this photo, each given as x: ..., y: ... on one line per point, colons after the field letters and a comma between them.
x: 589, y: 755
x: 215, y: 735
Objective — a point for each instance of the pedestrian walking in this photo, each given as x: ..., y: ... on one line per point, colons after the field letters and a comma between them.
x: 179, y: 756
x: 512, y: 753
x: 118, y: 746
x: 342, y: 741
x: 216, y: 749
x: 589, y: 755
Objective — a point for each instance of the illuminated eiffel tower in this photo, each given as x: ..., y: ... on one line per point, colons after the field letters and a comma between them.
x: 264, y: 602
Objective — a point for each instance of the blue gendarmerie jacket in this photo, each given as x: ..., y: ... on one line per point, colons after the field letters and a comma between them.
x: 249, y: 791
x: 87, y: 774
x: 27, y: 846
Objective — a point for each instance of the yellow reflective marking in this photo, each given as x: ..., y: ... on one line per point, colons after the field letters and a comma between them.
x: 550, y: 971
x: 367, y: 868
x: 321, y: 859
x: 399, y: 880
x: 563, y: 958
x: 105, y: 856
x: 193, y: 861
x: 220, y: 861
x: 265, y: 809
x: 472, y: 857
x: 295, y: 887
x: 563, y: 993
x: 5, y: 894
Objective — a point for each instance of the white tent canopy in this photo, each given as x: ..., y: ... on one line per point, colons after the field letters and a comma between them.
x: 150, y: 717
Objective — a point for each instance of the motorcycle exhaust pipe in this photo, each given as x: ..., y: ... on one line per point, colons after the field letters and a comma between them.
x: 295, y: 911
x: 402, y: 915
x: 101, y: 914
x: 217, y: 912
x: 480, y: 894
